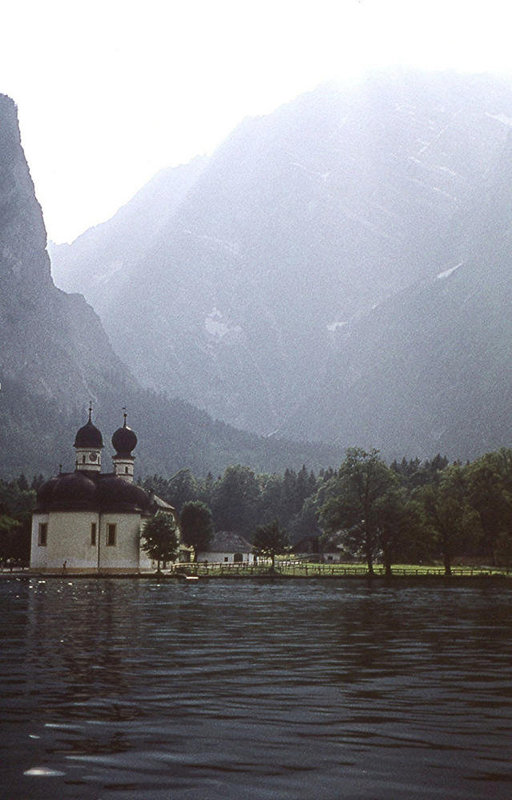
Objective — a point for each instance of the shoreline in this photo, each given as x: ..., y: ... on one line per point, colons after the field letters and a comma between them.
x: 380, y: 577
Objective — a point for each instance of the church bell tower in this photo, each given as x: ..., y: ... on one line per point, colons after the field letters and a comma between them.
x: 88, y: 447
x: 124, y: 441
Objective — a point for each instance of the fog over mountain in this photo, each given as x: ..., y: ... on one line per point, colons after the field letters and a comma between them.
x: 55, y: 357
x: 432, y: 366
x: 337, y: 270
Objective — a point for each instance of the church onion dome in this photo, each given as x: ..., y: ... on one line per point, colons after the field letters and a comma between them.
x: 74, y: 490
x: 114, y: 493
x: 90, y: 491
x: 124, y: 441
x: 45, y: 491
x: 89, y: 436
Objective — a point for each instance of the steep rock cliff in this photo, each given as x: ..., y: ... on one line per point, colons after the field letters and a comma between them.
x: 55, y: 357
x: 49, y: 341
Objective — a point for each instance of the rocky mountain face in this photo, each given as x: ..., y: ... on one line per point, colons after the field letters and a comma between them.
x: 109, y: 251
x: 49, y: 341
x: 431, y: 368
x: 55, y: 357
x: 291, y: 282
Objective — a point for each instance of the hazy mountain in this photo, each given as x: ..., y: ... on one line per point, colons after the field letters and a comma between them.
x: 278, y: 248
x: 55, y: 357
x: 431, y: 369
x: 108, y: 251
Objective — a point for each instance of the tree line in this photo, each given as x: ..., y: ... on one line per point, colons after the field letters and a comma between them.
x: 17, y: 500
x: 409, y: 511
x: 241, y: 499
x: 412, y: 512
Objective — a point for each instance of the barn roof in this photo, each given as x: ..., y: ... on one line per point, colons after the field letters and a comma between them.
x: 228, y: 542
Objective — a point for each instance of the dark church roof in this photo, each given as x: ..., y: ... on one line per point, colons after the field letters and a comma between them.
x: 124, y: 441
x: 92, y: 491
x: 89, y: 435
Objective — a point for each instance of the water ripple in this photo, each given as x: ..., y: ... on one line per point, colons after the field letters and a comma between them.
x: 139, y: 690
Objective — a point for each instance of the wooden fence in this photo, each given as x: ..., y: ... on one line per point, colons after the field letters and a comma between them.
x: 304, y: 569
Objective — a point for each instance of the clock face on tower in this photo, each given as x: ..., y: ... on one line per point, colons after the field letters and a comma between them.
x: 93, y: 456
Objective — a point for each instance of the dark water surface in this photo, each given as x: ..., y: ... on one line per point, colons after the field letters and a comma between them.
x: 139, y: 690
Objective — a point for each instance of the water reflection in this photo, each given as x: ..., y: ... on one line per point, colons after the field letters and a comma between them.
x: 142, y: 690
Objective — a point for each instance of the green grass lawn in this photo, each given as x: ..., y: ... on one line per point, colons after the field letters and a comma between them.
x: 287, y: 568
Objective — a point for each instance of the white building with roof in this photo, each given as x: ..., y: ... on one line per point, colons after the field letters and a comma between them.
x: 90, y: 521
x: 226, y: 547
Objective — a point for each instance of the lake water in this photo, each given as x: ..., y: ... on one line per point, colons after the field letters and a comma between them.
x: 269, y: 690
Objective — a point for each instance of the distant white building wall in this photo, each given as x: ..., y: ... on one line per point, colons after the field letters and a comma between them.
x: 227, y: 547
x: 334, y: 557
x: 223, y: 557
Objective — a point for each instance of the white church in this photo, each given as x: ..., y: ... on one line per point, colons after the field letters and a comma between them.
x: 89, y: 521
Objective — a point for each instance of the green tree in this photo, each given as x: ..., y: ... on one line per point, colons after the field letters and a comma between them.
x: 489, y: 494
x: 196, y: 525
x: 415, y: 473
x: 182, y: 489
x: 205, y: 490
x: 401, y: 532
x: 290, y: 498
x: 270, y: 505
x: 23, y: 483
x: 10, y: 539
x: 351, y: 501
x: 16, y: 505
x: 159, y: 486
x: 236, y: 498
x: 455, y: 524
x: 270, y: 540
x: 306, y: 522
x: 503, y: 549
x: 160, y: 538
x: 306, y: 486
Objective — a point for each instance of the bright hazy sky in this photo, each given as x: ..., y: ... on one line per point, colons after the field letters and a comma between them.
x: 111, y: 91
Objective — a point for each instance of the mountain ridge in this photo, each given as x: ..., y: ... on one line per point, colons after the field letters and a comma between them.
x: 296, y: 228
x: 55, y: 358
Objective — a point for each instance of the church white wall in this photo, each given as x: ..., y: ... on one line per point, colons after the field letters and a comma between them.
x: 38, y: 554
x: 124, y: 555
x: 68, y: 542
